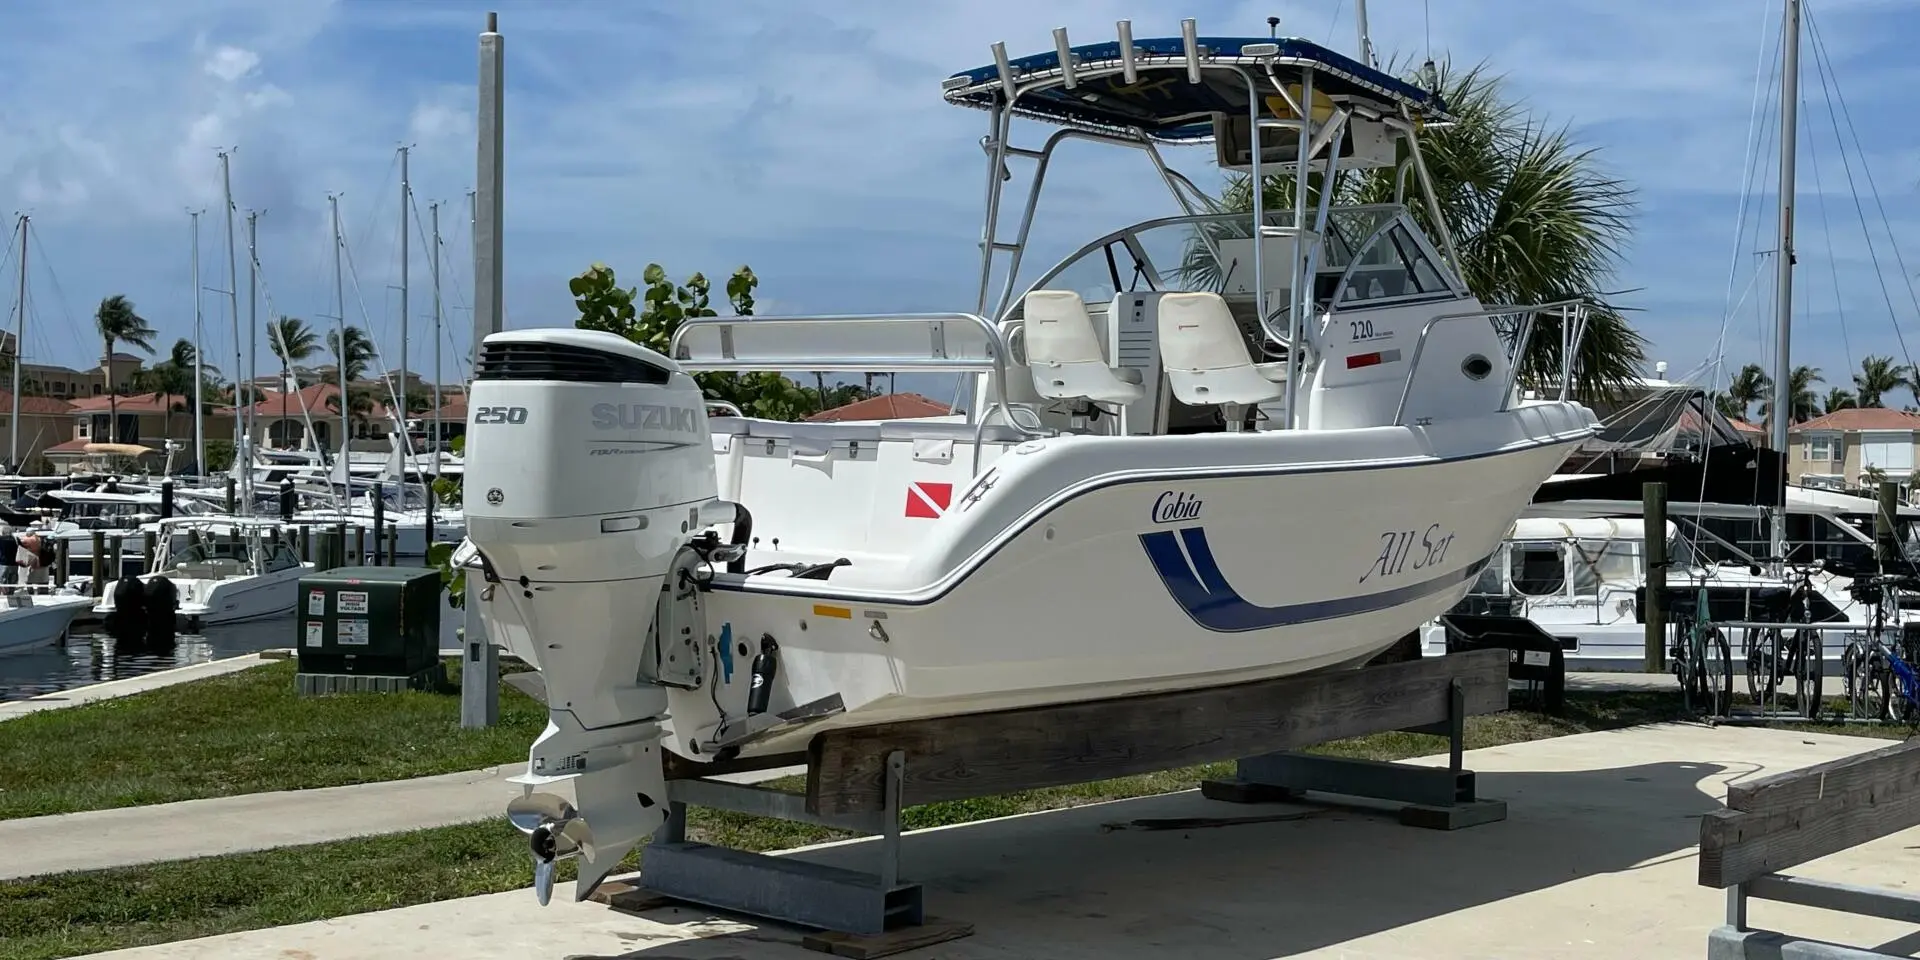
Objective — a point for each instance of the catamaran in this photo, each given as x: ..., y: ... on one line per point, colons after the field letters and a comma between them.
x: 1203, y: 449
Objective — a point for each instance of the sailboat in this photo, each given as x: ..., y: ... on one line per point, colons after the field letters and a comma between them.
x: 1167, y: 479
x: 210, y: 570
x: 33, y: 611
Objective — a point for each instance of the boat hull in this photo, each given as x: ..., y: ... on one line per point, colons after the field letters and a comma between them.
x: 1168, y: 579
x: 43, y: 620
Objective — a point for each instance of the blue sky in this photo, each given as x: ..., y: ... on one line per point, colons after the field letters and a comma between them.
x: 809, y: 140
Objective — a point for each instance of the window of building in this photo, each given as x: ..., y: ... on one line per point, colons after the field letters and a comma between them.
x: 1891, y: 451
x: 1823, y: 449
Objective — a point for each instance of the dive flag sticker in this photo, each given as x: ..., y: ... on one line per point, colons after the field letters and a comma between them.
x: 928, y: 500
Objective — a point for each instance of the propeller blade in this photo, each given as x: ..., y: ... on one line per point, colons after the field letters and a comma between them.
x: 543, y: 880
x: 528, y: 812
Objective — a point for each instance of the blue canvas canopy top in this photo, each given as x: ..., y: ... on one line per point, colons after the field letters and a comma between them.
x: 1162, y: 103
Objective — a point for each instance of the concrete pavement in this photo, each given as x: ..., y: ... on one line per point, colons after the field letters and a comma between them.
x: 101, y: 839
x: 1597, y: 860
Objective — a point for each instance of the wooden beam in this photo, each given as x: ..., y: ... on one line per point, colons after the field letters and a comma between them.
x: 983, y: 754
x: 1737, y: 846
x: 680, y: 768
x: 1896, y: 765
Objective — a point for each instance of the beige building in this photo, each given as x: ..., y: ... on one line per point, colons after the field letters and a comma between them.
x: 67, y: 383
x: 1838, y: 449
x: 145, y: 420
x: 44, y: 423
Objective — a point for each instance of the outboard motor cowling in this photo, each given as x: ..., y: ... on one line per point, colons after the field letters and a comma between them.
x: 587, y: 465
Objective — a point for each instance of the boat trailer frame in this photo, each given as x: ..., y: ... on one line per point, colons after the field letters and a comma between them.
x: 859, y: 779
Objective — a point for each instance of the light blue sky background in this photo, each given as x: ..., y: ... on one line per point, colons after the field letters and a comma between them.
x: 809, y: 140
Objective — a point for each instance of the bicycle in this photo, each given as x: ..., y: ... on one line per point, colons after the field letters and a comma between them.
x: 1774, y: 655
x: 1874, y: 671
x: 1702, y: 659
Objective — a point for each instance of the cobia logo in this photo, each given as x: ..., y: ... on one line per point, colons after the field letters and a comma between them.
x: 1172, y: 507
x: 644, y: 416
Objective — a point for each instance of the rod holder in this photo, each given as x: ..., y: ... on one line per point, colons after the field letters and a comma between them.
x: 1064, y: 51
x: 1128, y: 68
x: 1190, y: 40
x: 1005, y: 69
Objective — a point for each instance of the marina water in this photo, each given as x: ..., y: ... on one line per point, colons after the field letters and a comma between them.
x: 91, y: 655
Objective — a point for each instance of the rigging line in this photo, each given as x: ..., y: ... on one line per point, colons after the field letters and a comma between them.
x: 1826, y: 232
x: 59, y: 295
x: 1824, y: 66
x: 1756, y: 128
x: 1334, y: 24
x: 373, y: 346
x: 1847, y: 112
x: 375, y: 217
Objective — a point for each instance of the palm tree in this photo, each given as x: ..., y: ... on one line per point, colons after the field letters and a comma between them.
x: 1533, y: 217
x: 117, y: 322
x: 352, y: 363
x: 1840, y: 398
x: 1805, y: 403
x: 292, y: 341
x: 1748, y: 387
x: 173, y: 377
x: 1877, y: 377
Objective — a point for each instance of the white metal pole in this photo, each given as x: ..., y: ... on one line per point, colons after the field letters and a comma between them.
x: 19, y: 356
x: 243, y: 444
x: 400, y: 389
x: 1782, y: 412
x: 480, y: 683
x: 199, y: 360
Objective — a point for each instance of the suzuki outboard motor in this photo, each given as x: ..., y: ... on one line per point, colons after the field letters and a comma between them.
x: 587, y: 466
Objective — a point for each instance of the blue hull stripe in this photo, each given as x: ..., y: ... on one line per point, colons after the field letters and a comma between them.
x: 1203, y: 592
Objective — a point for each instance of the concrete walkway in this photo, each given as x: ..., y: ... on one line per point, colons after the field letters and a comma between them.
x: 1596, y: 862
x: 1583, y: 682
x: 102, y: 839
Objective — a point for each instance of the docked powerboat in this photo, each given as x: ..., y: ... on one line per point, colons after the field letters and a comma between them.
x: 213, y: 570
x: 1277, y: 444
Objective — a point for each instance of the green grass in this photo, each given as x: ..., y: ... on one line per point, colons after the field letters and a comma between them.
x: 244, y: 732
x: 68, y: 914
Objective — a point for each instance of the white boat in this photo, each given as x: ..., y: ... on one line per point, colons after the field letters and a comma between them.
x: 34, y: 614
x: 1142, y: 498
x: 222, y: 570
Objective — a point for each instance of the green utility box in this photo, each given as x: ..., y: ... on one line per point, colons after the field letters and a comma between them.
x: 369, y: 628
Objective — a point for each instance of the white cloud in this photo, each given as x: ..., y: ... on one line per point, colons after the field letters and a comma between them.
x: 229, y: 64
x: 809, y: 141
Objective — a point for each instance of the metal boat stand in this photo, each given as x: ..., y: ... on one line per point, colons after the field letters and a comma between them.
x: 1439, y: 798
x: 785, y: 888
x: 860, y: 778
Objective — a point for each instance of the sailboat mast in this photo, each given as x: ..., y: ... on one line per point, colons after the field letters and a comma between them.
x: 199, y: 364
x: 400, y: 389
x: 243, y: 444
x: 253, y: 324
x: 434, y: 208
x: 340, y: 332
x: 19, y: 355
x: 1782, y: 410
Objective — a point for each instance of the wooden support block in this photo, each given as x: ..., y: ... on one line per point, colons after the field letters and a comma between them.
x: 976, y: 755
x: 621, y: 895
x: 1888, y: 768
x: 861, y: 946
x: 1241, y: 791
x: 1458, y: 816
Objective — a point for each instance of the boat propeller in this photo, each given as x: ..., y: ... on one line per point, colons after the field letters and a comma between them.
x: 556, y: 832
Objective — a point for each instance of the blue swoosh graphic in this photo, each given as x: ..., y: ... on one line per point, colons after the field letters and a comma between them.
x: 1204, y: 593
